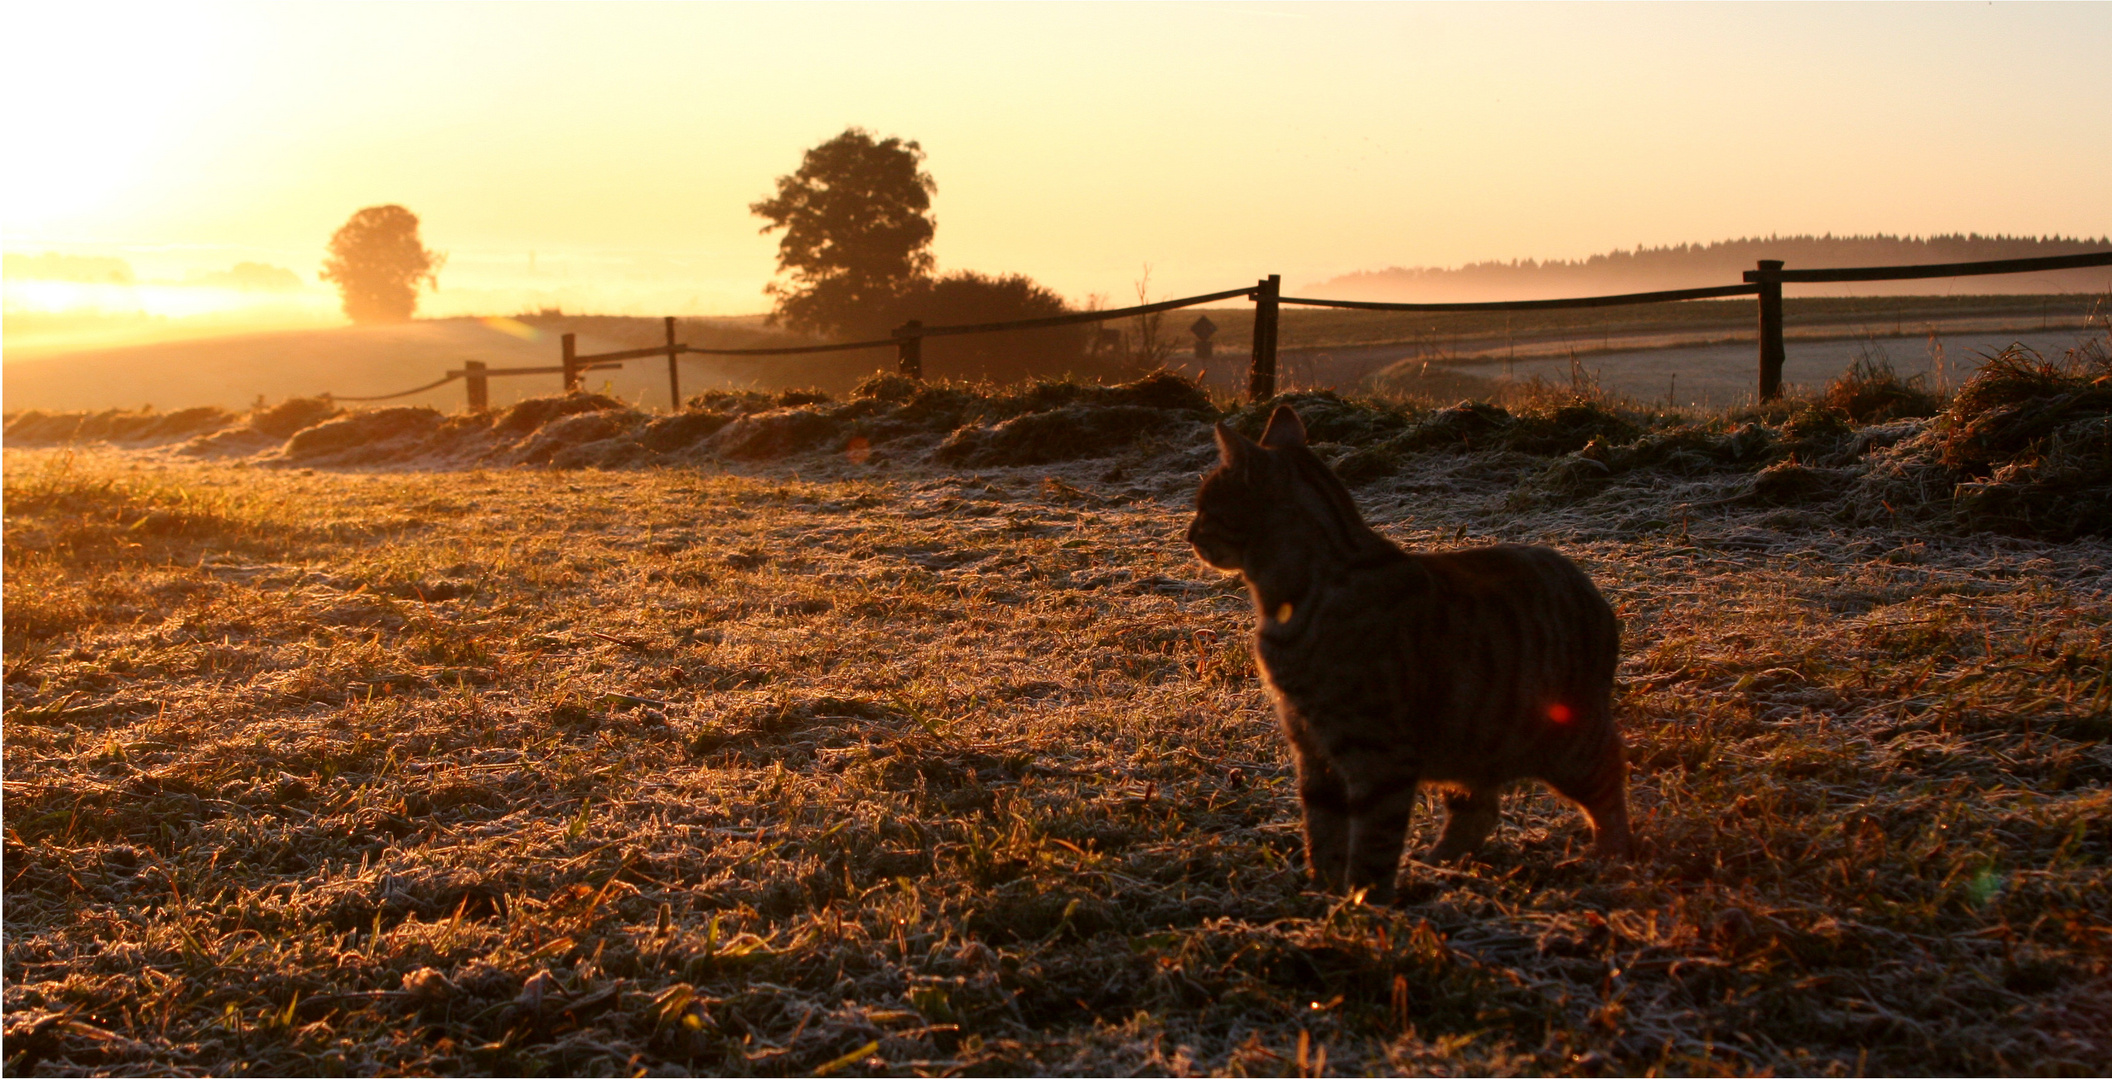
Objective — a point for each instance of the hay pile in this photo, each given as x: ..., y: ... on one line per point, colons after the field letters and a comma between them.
x: 2025, y: 447
x: 124, y: 427
x: 886, y: 418
x: 2033, y: 440
x: 1873, y: 392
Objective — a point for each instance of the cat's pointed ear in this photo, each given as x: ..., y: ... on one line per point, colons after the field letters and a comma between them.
x: 1232, y: 447
x: 1285, y: 429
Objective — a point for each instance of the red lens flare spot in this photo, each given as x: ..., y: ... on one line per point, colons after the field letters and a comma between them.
x: 1559, y: 713
x: 859, y: 451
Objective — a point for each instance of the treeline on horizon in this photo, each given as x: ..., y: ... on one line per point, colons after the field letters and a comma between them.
x: 1722, y: 262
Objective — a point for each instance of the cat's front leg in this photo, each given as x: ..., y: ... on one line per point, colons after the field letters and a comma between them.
x: 1325, y: 800
x: 1379, y: 812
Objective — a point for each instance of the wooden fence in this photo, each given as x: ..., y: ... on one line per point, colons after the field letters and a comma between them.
x: 1764, y: 282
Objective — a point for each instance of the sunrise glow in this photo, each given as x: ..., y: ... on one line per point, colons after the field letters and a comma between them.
x: 602, y: 157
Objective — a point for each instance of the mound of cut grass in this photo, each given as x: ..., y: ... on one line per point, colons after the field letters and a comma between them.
x: 292, y: 415
x: 886, y: 417
x: 2022, y: 448
x: 2034, y: 440
x: 368, y: 436
x: 1872, y: 392
x: 134, y: 427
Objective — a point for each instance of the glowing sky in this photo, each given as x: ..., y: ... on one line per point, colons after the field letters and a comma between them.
x: 621, y: 144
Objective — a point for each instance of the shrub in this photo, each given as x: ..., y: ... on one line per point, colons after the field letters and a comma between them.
x: 967, y: 298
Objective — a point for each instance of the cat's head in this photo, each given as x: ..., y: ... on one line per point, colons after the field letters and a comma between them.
x: 1250, y: 489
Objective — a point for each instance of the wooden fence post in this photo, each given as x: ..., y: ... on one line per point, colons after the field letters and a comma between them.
x: 909, y: 349
x: 1769, y: 278
x: 674, y: 385
x: 478, y: 384
x: 571, y: 363
x: 1261, y: 369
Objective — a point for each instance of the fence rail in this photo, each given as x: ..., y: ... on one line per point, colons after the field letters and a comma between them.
x: 1929, y: 270
x: 1617, y: 300
x: 1764, y: 282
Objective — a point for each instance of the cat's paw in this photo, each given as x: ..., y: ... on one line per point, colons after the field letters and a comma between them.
x: 1372, y: 895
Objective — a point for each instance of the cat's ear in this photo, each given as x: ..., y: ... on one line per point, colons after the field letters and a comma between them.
x: 1285, y: 429
x: 1232, y: 447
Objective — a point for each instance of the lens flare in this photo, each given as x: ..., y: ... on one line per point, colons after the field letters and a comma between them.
x: 511, y: 327
x: 1559, y: 713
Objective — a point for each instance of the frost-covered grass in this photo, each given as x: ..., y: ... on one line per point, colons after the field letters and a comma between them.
x: 895, y: 769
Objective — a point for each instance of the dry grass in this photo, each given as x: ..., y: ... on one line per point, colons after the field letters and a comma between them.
x: 901, y: 771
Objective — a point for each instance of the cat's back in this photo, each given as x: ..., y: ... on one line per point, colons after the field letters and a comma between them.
x: 1486, y: 614
x: 1520, y: 572
x: 1488, y: 607
x: 1512, y: 595
x: 1503, y: 574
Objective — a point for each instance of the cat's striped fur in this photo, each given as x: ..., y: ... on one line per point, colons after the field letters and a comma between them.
x: 1467, y: 669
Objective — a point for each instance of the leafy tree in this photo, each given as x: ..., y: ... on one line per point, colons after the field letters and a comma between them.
x: 858, y: 228
x: 378, y: 262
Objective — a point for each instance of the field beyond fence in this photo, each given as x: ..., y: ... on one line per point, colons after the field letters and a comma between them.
x: 1764, y: 283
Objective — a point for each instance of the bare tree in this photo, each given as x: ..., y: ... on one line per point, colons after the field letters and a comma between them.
x: 1151, y: 351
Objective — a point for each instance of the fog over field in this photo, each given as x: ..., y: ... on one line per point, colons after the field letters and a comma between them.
x: 1698, y: 362
x: 233, y: 371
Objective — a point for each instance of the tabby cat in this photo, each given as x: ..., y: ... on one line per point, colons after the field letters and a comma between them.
x: 1465, y: 670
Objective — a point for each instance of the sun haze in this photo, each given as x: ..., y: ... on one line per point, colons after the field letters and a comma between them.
x: 603, y: 157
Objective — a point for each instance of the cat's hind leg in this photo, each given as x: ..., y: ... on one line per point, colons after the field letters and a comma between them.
x: 1471, y: 815
x: 1602, y: 791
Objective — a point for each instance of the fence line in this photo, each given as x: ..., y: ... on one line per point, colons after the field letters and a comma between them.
x: 1081, y: 317
x: 443, y: 381
x: 1929, y: 270
x: 1617, y: 300
x: 907, y: 340
x: 1764, y: 282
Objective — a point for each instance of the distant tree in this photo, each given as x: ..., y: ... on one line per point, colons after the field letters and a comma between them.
x: 378, y: 262
x: 858, y: 228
